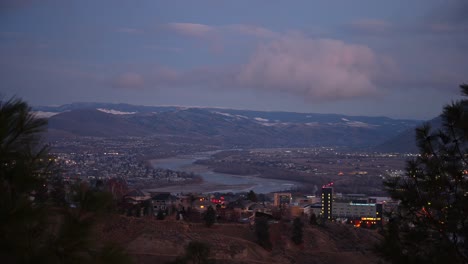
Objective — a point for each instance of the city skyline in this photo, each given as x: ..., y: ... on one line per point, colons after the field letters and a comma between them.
x: 392, y: 58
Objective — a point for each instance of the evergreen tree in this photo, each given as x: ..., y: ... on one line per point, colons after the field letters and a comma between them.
x: 210, y: 216
x: 147, y: 207
x: 313, y: 219
x: 36, y: 227
x: 262, y: 231
x: 297, y: 231
x: 22, y: 173
x: 252, y: 196
x: 430, y: 223
x: 198, y: 253
x: 160, y: 215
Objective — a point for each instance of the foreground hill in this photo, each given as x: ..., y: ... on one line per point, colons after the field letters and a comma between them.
x: 222, y: 127
x: 152, y: 241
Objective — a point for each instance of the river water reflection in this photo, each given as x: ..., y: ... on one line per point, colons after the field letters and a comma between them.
x: 226, y: 182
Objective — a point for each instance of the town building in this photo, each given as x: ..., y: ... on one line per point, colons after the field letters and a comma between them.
x: 162, y: 202
x: 135, y: 196
x: 357, y: 209
x: 282, y: 199
x: 315, y: 209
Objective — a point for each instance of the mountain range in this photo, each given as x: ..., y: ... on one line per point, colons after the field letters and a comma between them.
x: 223, y: 127
x: 405, y: 142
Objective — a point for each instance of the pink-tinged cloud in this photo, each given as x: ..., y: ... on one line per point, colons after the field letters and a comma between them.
x: 203, y: 30
x: 163, y: 75
x: 318, y: 69
x: 129, y: 80
x: 191, y: 29
x: 251, y: 30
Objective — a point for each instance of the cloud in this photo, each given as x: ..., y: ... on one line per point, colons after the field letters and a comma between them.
x: 315, y: 68
x: 432, y: 25
x: 162, y: 48
x: 191, y: 29
x: 216, y: 35
x: 372, y: 26
x: 251, y: 30
x: 203, y: 30
x: 128, y: 80
x: 318, y: 69
x: 428, y: 53
x: 129, y: 30
x: 163, y: 75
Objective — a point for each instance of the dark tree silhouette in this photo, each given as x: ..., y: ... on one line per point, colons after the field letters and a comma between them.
x: 262, y: 231
x: 210, y: 216
x: 297, y: 231
x: 147, y: 207
x: 160, y: 215
x: 313, y: 219
x: 196, y: 252
x: 430, y: 224
x: 252, y: 196
x: 35, y: 226
x: 23, y: 163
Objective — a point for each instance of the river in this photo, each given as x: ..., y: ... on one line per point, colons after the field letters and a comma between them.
x: 217, y: 182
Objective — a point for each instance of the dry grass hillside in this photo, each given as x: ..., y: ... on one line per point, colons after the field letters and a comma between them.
x: 152, y: 241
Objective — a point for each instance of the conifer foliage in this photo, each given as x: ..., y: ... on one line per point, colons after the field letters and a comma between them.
x: 430, y: 224
x: 37, y: 225
x: 252, y: 196
x: 262, y: 232
x: 297, y: 231
x: 22, y: 175
x: 196, y: 252
x: 210, y: 216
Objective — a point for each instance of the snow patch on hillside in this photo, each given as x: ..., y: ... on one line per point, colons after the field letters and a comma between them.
x: 42, y: 114
x: 224, y: 114
x: 115, y: 112
x: 230, y: 115
x: 359, y: 124
x: 259, y: 119
x: 313, y: 124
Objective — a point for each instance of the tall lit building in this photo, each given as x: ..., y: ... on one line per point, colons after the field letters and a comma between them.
x: 327, y: 202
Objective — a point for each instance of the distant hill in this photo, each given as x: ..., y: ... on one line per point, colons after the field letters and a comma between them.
x: 405, y: 142
x: 222, y: 127
x: 92, y: 122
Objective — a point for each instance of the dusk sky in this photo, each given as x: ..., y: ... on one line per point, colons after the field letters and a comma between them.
x: 398, y: 58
